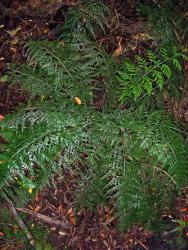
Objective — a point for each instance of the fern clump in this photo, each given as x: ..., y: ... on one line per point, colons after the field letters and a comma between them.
x: 37, y: 143
x: 139, y: 161
x: 146, y: 74
x: 133, y: 162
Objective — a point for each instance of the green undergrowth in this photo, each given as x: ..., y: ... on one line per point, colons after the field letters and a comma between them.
x: 166, y: 21
x: 133, y: 159
x: 14, y: 237
x: 133, y: 162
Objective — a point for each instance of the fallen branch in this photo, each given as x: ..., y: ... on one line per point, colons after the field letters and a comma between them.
x: 19, y: 220
x: 47, y: 219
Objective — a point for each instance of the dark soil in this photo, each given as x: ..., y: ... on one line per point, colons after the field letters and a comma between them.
x: 11, y: 97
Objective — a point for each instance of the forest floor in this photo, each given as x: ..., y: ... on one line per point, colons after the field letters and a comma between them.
x: 53, y: 208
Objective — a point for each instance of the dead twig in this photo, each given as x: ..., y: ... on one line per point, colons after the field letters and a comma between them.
x: 19, y: 220
x: 45, y: 218
x: 145, y: 247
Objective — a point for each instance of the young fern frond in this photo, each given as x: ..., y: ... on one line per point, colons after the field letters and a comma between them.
x: 148, y: 73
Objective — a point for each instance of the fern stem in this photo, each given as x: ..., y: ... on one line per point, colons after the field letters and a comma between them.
x: 20, y: 222
x: 156, y: 66
x: 52, y: 54
x: 35, y: 140
x: 22, y: 73
x: 167, y: 174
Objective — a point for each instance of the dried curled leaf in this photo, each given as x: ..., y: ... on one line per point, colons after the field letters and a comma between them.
x: 77, y: 100
x: 13, y: 32
x: 1, y: 117
x: 117, y: 52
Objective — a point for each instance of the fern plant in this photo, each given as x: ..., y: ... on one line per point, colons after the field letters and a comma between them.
x: 136, y: 163
x: 62, y: 72
x: 146, y: 74
x: 133, y: 162
x: 55, y: 73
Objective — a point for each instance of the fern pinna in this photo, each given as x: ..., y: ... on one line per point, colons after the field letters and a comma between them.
x: 145, y: 74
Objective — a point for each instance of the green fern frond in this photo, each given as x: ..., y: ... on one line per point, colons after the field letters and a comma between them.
x: 148, y: 73
x: 153, y: 58
x: 62, y: 71
x: 164, y: 53
x: 166, y: 70
x: 158, y: 78
x: 85, y: 18
x: 177, y: 64
x: 147, y: 84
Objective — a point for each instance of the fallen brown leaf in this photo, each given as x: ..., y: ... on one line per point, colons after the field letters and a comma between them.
x: 77, y: 100
x: 72, y: 221
x: 32, y: 208
x: 117, y: 52
x: 70, y: 211
x: 37, y: 197
x: 13, y: 32
x: 38, y: 208
x: 105, y: 243
x: 14, y: 50
x: 1, y: 117
x: 60, y: 208
x: 15, y: 41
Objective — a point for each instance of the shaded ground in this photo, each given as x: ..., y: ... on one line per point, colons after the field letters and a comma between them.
x: 87, y: 229
x: 98, y: 230
x: 11, y: 97
x: 22, y: 20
